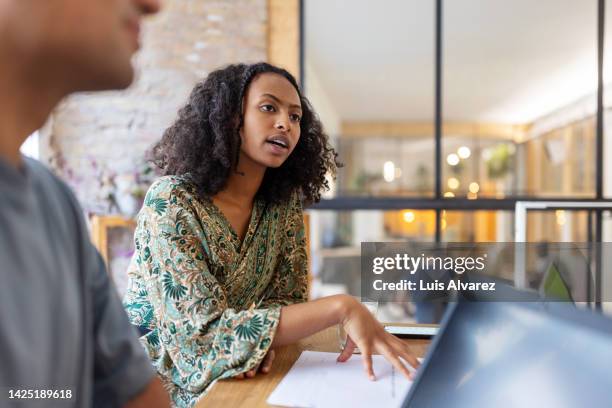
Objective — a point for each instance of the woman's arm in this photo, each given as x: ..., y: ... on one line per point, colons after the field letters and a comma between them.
x: 301, y: 320
x: 364, y: 331
x: 304, y: 319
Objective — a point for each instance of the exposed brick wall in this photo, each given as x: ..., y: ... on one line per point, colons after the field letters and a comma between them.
x: 96, y: 142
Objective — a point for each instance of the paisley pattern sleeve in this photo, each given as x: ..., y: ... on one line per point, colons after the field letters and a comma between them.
x: 290, y: 281
x: 196, y: 338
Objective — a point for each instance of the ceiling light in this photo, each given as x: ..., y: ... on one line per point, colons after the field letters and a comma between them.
x: 389, y: 171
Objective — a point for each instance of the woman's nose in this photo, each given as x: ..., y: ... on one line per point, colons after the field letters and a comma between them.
x: 282, y: 125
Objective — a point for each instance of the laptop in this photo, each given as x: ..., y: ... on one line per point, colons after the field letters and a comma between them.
x: 516, y: 354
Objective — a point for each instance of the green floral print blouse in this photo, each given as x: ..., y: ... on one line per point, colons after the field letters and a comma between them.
x: 212, y: 303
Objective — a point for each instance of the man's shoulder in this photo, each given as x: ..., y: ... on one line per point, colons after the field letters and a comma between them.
x: 37, y: 169
x: 48, y: 183
x: 55, y: 198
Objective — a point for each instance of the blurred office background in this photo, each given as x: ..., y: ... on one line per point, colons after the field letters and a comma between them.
x: 518, y: 123
x: 518, y: 118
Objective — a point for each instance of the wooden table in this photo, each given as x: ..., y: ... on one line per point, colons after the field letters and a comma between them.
x: 254, y: 392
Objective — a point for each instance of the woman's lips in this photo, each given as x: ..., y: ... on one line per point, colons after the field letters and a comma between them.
x: 277, y: 149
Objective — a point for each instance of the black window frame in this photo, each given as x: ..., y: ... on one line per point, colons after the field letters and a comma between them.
x: 440, y: 203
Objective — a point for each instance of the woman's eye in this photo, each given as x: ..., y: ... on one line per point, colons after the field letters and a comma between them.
x: 295, y: 117
x: 267, y: 108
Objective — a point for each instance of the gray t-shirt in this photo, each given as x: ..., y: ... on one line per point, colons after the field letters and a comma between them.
x: 62, y: 325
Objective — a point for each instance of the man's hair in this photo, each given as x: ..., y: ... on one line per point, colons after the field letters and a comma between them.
x: 204, y: 142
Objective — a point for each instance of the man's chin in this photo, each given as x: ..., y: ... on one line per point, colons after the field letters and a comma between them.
x: 111, y: 79
x: 126, y: 79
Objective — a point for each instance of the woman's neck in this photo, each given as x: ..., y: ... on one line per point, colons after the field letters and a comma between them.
x: 243, y: 183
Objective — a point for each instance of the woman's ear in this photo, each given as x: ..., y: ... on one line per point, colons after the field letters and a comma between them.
x: 239, y: 120
x: 239, y: 126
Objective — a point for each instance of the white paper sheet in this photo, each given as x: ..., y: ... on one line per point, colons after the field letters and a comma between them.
x: 317, y: 380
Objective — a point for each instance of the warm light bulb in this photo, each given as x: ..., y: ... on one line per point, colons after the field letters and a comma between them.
x: 453, y: 183
x: 389, y: 171
x: 464, y: 152
x: 408, y: 216
x: 452, y: 159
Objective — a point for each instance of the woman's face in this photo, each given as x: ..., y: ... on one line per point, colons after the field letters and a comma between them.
x: 271, y: 128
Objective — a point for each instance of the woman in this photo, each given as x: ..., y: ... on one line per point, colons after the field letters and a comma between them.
x: 219, y: 276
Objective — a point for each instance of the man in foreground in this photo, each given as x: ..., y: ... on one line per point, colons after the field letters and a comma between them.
x: 64, y: 336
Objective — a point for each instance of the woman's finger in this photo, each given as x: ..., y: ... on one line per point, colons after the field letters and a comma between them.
x: 404, y: 351
x: 366, y: 355
x: 266, y: 365
x: 393, y: 359
x: 251, y: 373
x: 347, y: 351
x: 410, y: 358
x: 239, y: 376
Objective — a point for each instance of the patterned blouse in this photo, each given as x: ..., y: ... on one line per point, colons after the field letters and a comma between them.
x: 211, y: 302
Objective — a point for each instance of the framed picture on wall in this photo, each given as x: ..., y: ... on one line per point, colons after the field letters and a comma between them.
x: 113, y: 236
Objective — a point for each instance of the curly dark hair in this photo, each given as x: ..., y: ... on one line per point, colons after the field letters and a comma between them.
x: 204, y: 142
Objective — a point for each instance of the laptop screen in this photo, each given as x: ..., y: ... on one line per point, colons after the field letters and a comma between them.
x: 500, y: 354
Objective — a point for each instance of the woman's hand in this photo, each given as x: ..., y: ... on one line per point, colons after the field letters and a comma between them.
x: 264, y: 367
x: 365, y: 332
x: 301, y: 320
